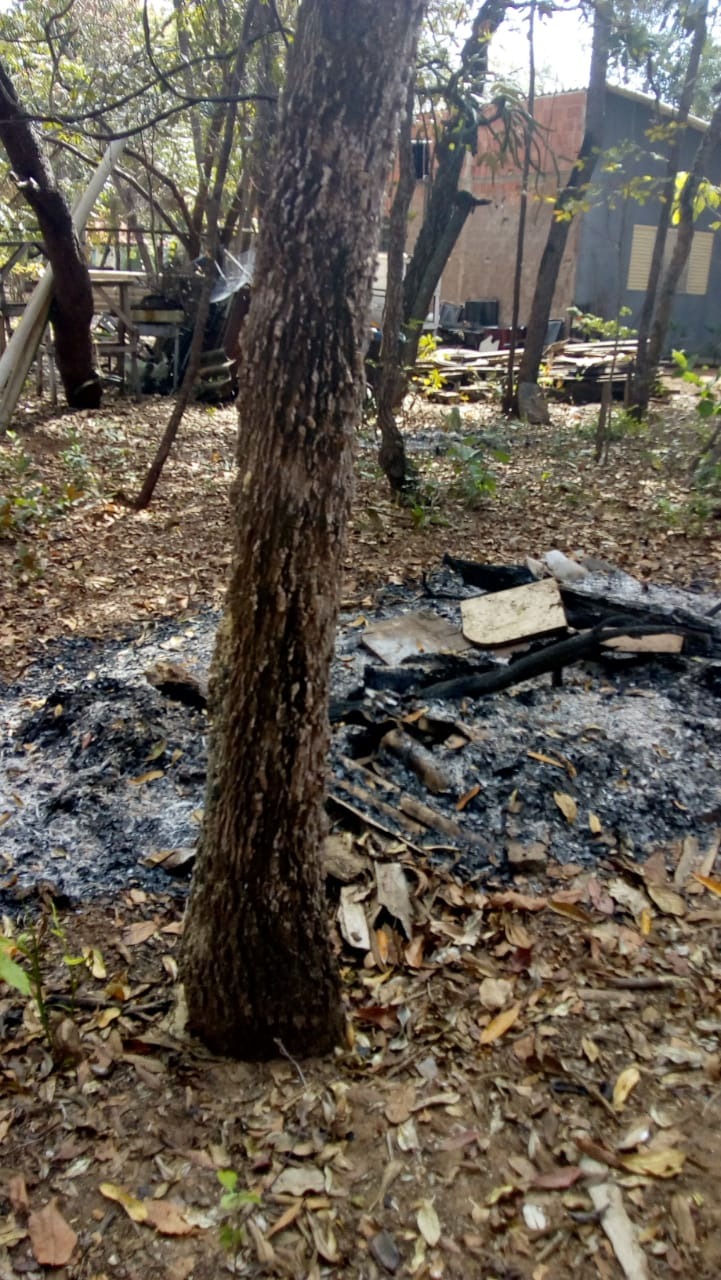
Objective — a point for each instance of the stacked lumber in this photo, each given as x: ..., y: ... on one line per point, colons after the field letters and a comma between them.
x: 574, y: 370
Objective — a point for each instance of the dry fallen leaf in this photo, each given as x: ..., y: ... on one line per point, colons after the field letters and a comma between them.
x: 324, y: 1239
x: 534, y: 1217
x: 667, y: 900
x: 18, y: 1193
x: 392, y: 889
x: 567, y: 805
x: 352, y: 918
x: 571, y: 910
x: 165, y: 1215
x: 140, y: 932
x: 499, y: 1025
x: 656, y: 1164
x: 414, y: 951
x: 494, y: 993
x: 11, y: 1233
x: 625, y: 1083
x: 428, y: 1223
x: 590, y: 1048
x: 299, y: 1182
x: 401, y: 1104
x: 264, y: 1251
x: 167, y: 1218
x: 52, y: 1239
x: 134, y: 1208
x: 150, y: 776
x: 713, y: 886
x: 407, y: 1136
x: 608, y: 1202
x: 627, y: 896
x: 538, y: 755
x: 285, y: 1219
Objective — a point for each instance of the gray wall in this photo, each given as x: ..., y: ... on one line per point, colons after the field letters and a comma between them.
x: 607, y: 229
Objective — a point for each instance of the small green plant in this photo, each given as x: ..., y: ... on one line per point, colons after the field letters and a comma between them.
x: 424, y: 505
x: 705, y: 469
x: 234, y: 1204
x: 433, y: 380
x: 78, y: 464
x: 25, y: 499
x: 28, y: 981
x: 474, y: 482
x: 32, y: 945
x: 595, y: 327
x: 21, y: 494
x: 427, y: 345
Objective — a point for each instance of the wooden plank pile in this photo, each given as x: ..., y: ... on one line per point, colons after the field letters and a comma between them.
x: 574, y: 370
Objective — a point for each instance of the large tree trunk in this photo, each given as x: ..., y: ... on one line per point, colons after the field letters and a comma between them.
x: 257, y: 964
x: 448, y: 208
x: 72, y: 309
x: 564, y: 208
x: 645, y: 369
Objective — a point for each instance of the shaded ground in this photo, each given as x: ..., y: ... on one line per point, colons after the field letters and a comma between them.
x: 500, y: 1038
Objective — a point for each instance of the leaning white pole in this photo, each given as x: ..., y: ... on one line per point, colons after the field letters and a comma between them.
x: 20, y: 352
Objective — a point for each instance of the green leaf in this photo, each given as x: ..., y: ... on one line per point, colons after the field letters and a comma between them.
x: 231, y: 1238
x: 233, y: 1200
x: 11, y: 972
x: 228, y: 1178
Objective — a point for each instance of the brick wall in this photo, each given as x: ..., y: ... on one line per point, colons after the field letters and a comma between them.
x: 482, y: 264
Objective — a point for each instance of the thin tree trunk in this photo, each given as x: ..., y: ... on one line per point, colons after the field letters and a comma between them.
x: 72, y: 308
x: 645, y: 367
x: 563, y: 211
x: 185, y: 392
x: 448, y: 208
x: 392, y: 376
x: 509, y: 395
x: 684, y: 240
x: 257, y: 962
x: 212, y: 248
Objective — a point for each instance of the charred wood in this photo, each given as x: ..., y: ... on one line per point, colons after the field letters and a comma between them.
x: 551, y: 658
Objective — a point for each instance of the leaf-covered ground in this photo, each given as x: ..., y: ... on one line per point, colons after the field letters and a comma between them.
x: 531, y: 1085
x: 98, y: 566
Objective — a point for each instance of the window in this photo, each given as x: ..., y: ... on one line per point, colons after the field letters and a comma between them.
x: 421, y: 149
x: 694, y: 278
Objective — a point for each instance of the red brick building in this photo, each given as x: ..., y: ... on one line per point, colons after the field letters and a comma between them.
x: 605, y: 265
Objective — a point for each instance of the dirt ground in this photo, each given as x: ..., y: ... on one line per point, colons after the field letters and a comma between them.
x: 531, y: 1083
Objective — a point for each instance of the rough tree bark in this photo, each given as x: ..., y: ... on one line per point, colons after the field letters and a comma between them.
x: 645, y: 369
x: 72, y: 309
x: 448, y: 207
x: 392, y: 378
x: 563, y: 209
x: 257, y: 962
